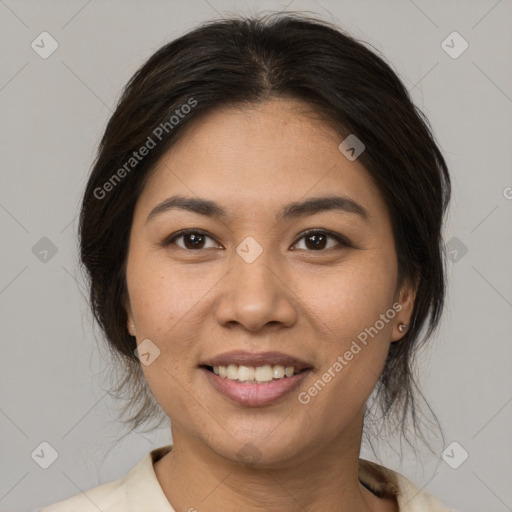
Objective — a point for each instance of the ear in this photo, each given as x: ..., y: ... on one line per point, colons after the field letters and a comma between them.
x: 130, y: 324
x: 406, y: 297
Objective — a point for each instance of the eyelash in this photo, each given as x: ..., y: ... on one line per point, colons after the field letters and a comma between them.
x: 339, y: 238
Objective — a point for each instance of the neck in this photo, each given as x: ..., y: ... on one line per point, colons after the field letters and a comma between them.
x: 193, y: 477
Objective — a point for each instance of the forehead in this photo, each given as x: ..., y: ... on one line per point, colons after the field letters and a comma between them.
x: 258, y: 157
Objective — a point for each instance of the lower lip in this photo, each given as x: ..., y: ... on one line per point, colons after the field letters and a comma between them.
x: 254, y: 395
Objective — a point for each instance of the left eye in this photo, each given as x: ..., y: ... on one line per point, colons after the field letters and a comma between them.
x: 317, y: 239
x: 314, y: 239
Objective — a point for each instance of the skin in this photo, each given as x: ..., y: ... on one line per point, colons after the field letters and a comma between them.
x: 311, y: 303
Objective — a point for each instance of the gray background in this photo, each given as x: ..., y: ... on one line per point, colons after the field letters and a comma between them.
x: 53, y: 369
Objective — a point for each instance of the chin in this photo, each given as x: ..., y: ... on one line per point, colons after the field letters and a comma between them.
x: 267, y: 449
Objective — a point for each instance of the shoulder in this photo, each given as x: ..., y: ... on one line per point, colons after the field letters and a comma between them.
x: 388, y: 483
x: 107, y: 497
x: 135, y: 491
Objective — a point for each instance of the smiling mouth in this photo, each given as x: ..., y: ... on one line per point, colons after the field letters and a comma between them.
x: 254, y: 386
x: 254, y: 374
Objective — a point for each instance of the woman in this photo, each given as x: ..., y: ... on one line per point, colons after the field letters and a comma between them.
x: 262, y: 233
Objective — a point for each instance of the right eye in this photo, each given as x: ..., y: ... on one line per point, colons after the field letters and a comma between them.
x: 193, y: 239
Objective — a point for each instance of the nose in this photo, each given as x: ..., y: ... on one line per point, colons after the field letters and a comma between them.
x: 254, y: 295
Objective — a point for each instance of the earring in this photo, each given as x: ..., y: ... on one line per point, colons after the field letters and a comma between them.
x: 402, y: 327
x: 133, y: 327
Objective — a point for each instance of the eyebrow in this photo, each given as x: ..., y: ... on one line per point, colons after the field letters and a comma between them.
x: 296, y: 209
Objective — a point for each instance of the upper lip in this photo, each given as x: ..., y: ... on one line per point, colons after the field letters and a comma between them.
x: 243, y: 358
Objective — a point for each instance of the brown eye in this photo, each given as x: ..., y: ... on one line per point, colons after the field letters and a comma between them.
x: 192, y: 239
x: 317, y: 240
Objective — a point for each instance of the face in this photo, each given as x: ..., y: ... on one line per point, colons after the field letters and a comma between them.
x: 263, y: 285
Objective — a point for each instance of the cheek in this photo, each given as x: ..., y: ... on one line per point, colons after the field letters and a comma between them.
x: 162, y: 296
x: 164, y: 304
x: 352, y: 297
x: 354, y: 310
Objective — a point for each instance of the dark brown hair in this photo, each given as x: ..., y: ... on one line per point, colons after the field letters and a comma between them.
x: 240, y: 61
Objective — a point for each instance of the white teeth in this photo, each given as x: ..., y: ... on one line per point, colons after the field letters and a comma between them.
x: 278, y: 371
x: 264, y: 373
x: 245, y: 373
x: 253, y: 374
x: 232, y: 372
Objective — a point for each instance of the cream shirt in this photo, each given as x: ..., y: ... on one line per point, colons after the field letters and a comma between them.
x: 140, y: 491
